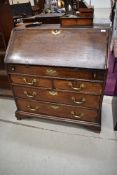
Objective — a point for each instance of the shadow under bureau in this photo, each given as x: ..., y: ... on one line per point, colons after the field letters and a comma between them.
x: 59, y: 73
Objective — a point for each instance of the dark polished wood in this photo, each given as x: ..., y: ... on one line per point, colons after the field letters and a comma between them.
x: 70, y: 98
x: 58, y: 72
x: 6, y: 25
x: 45, y: 18
x: 91, y: 125
x: 56, y: 78
x: 58, y: 110
x: 6, y: 20
x: 77, y: 47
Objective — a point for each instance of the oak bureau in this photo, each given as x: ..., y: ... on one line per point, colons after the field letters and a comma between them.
x: 59, y: 73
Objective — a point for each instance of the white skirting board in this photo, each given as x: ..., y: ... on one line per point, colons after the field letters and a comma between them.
x: 109, y: 112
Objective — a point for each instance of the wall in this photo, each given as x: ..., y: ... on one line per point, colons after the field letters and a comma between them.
x: 102, y: 8
x: 100, y: 3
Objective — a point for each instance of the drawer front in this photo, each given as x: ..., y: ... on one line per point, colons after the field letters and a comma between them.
x: 58, y: 72
x: 79, y: 86
x: 70, y: 98
x: 50, y: 109
x: 30, y: 81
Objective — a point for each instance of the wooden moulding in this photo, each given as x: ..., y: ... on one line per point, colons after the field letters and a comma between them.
x: 96, y: 127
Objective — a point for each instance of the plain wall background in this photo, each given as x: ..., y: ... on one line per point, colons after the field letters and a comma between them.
x: 100, y: 3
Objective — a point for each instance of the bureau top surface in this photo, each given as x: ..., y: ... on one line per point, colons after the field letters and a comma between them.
x: 63, y: 47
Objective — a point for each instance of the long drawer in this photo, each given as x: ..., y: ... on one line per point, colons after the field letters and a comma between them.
x: 62, y: 111
x: 78, y: 99
x: 45, y: 71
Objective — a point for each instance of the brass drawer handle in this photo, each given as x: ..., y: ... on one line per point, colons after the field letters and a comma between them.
x: 76, y: 88
x: 79, y: 102
x: 53, y: 93
x: 32, y: 108
x: 31, y: 82
x: 56, y: 32
x: 78, y: 116
x: 51, y: 72
x: 30, y: 95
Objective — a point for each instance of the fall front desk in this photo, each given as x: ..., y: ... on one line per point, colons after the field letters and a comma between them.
x: 59, y: 73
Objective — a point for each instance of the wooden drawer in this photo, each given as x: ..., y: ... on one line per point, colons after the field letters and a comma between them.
x: 79, y: 86
x: 71, y: 98
x: 30, y: 81
x: 62, y: 111
x: 45, y: 71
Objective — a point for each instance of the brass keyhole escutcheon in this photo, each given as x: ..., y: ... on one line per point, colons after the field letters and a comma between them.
x: 56, y: 32
x: 51, y: 72
x: 53, y: 93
